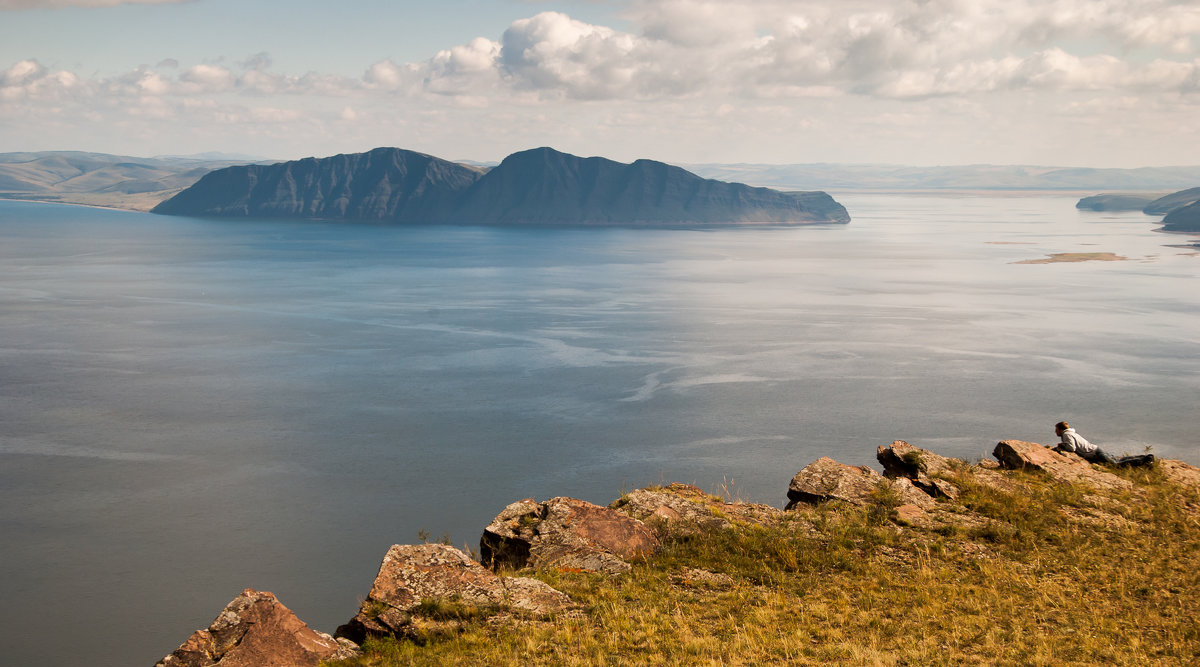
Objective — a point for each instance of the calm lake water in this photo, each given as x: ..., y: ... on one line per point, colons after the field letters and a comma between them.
x: 192, y: 407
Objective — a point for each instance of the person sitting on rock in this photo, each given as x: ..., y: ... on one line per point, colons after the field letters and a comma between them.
x: 1077, y: 444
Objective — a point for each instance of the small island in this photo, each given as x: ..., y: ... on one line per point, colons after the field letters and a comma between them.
x: 1076, y: 257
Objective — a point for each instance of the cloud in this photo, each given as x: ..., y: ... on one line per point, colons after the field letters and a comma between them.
x: 681, y: 66
x: 90, y: 4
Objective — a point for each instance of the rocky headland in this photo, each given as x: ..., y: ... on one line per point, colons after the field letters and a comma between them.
x: 1183, y: 219
x: 1037, y: 556
x: 541, y: 186
x: 1181, y: 210
x: 1176, y: 200
x: 1115, y: 202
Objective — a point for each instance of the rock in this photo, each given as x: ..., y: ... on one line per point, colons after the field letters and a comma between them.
x: 1020, y: 455
x: 911, y: 514
x: 1180, y: 473
x: 697, y: 578
x: 413, y: 574
x: 256, y: 630
x: 901, y: 459
x: 685, y: 509
x: 826, y: 479
x: 565, y: 533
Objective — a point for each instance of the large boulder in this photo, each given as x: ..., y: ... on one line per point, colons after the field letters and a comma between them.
x: 1064, y: 467
x: 685, y: 509
x: 256, y: 630
x: 565, y: 533
x: 420, y: 587
x: 826, y: 479
x: 901, y: 459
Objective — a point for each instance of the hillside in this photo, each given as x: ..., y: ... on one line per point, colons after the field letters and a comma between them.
x: 1038, y: 558
x: 535, y: 187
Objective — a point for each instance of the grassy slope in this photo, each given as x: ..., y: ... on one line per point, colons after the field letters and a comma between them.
x: 1061, y: 576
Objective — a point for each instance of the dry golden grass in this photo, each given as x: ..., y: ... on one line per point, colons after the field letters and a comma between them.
x: 1038, y: 585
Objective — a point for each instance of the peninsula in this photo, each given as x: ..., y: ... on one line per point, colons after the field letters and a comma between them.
x: 541, y: 186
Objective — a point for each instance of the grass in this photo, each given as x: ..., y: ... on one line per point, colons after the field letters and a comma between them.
x: 1033, y: 584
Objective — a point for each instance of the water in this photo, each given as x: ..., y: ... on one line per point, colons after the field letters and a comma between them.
x: 191, y: 407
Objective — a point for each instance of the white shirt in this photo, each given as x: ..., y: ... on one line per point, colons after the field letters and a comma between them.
x: 1073, y: 442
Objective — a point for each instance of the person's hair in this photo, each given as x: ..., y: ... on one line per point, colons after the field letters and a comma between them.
x: 1061, y: 426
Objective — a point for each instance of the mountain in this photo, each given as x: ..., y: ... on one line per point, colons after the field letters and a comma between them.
x: 1185, y: 219
x: 385, y: 184
x: 541, y: 186
x: 1175, y: 200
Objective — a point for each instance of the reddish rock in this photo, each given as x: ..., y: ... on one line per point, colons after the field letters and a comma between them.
x: 826, y: 479
x: 901, y: 459
x: 565, y: 533
x: 685, y: 509
x: 412, y: 574
x: 256, y: 630
x: 1064, y: 467
x: 1181, y: 473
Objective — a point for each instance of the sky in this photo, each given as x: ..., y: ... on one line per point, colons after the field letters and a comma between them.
x: 1088, y: 83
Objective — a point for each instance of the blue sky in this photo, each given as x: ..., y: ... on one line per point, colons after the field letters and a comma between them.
x: 1064, y: 82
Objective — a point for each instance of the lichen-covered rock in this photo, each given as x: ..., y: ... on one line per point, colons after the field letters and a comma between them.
x: 256, y: 630
x: 826, y: 479
x: 685, y: 509
x: 411, y: 575
x: 901, y: 459
x: 1021, y: 455
x: 565, y: 533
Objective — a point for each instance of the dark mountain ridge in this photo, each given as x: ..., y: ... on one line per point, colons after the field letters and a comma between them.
x: 541, y: 186
x: 383, y: 184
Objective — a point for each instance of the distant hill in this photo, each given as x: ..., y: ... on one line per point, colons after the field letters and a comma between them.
x: 99, y: 179
x: 823, y: 176
x: 541, y: 186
